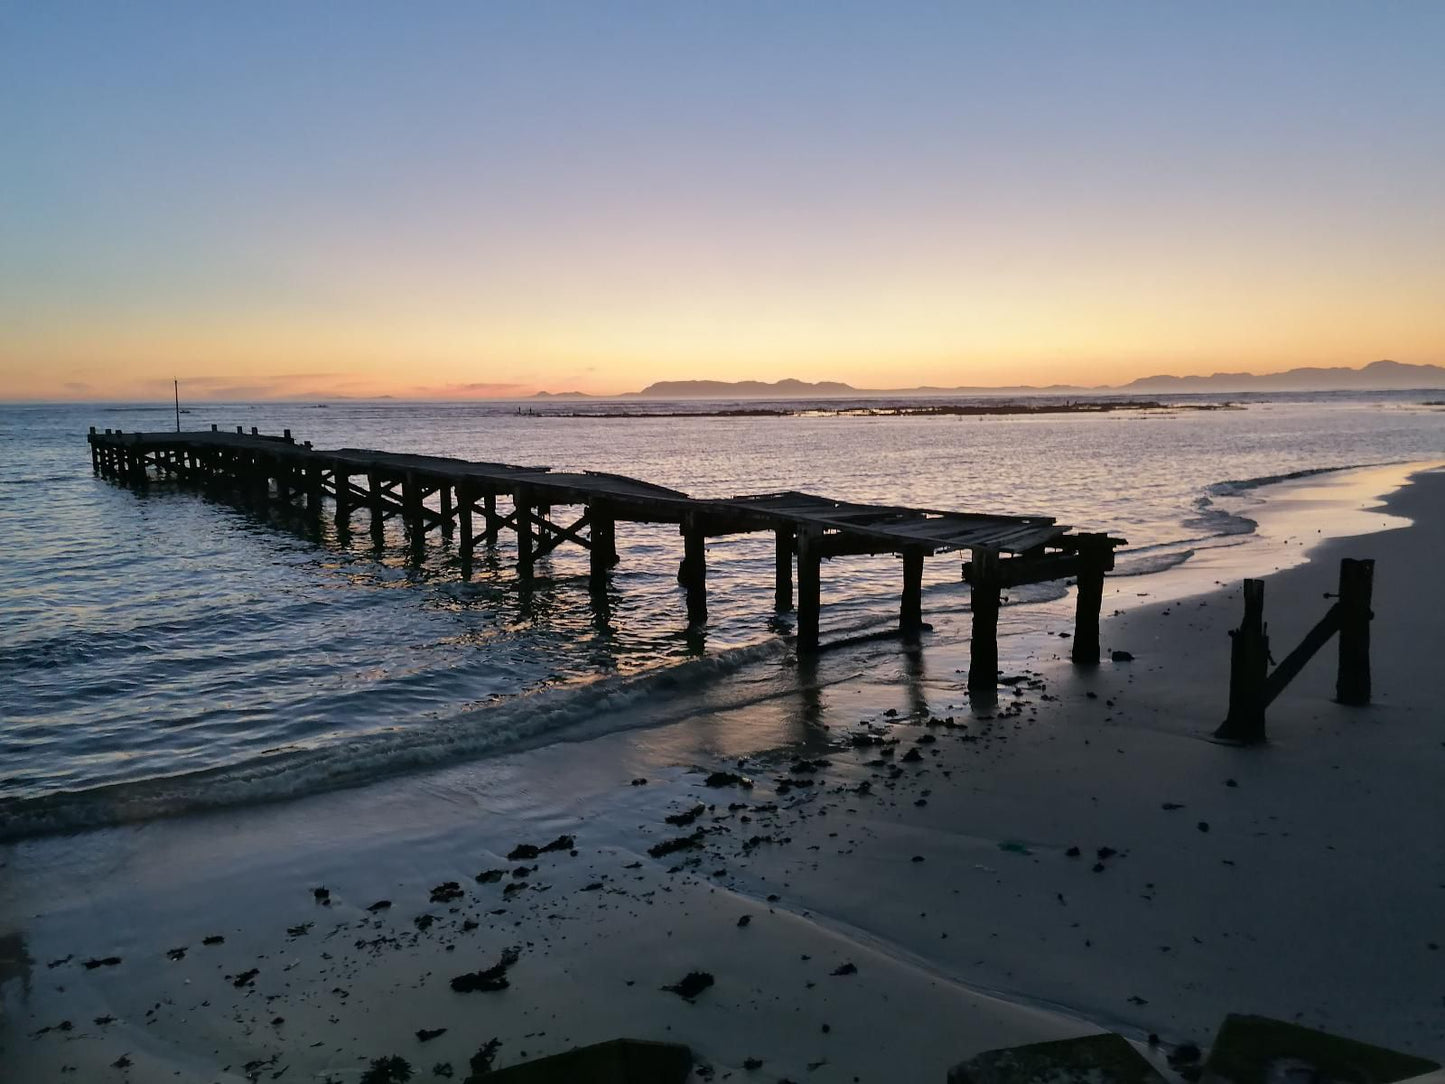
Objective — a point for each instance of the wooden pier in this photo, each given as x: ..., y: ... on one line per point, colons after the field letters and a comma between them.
x: 476, y: 502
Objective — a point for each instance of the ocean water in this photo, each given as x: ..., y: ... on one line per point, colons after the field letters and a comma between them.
x: 162, y: 651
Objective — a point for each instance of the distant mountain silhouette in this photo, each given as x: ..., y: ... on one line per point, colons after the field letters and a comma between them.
x: 1376, y: 376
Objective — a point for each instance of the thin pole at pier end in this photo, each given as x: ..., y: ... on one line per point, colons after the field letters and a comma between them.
x: 176, y: 384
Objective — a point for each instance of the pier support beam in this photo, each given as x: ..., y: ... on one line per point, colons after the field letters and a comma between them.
x: 411, y: 502
x: 444, y: 499
x: 1357, y: 577
x: 783, y: 569
x: 522, y: 504
x: 465, y: 499
x: 809, y: 589
x: 489, y: 513
x: 693, y: 574
x: 910, y: 610
x: 984, y: 590
x: 603, y: 553
x: 378, y: 523
x: 342, y: 481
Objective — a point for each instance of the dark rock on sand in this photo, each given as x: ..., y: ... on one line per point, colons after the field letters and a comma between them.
x: 214, y: 939
x: 1105, y: 1059
x: 752, y: 1064
x: 322, y: 895
x: 1073, y: 852
x: 176, y: 953
x: 745, y: 920
x: 1256, y: 1050
x: 691, y: 984
x: 490, y: 876
x: 488, y: 979
x: 1121, y: 656
x: 481, y: 1061
x: 521, y: 852
x: 446, y: 892
x: 561, y: 843
x: 727, y: 779
x: 379, y: 905
x: 677, y: 843
x: 845, y: 969
x: 245, y: 978
x: 621, y: 1061
x: 426, y: 1035
x: 682, y: 820
x: 108, y: 961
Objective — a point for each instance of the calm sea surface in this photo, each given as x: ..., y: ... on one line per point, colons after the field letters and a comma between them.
x: 162, y: 651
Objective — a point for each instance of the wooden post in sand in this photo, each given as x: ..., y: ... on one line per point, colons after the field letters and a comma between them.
x: 1096, y: 557
x: 1248, y: 671
x: 985, y: 590
x: 693, y: 573
x: 1352, y: 685
x: 783, y: 568
x: 910, y: 610
x: 809, y: 587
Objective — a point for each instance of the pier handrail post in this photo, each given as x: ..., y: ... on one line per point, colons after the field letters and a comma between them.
x: 910, y: 610
x: 1352, y: 685
x: 1248, y: 670
x: 378, y: 525
x: 411, y: 502
x: 783, y: 568
x: 985, y: 591
x: 810, y: 561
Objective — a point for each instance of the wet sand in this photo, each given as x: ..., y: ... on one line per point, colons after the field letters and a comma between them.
x: 893, y: 893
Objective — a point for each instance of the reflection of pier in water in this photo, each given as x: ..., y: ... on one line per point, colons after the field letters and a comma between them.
x: 456, y: 496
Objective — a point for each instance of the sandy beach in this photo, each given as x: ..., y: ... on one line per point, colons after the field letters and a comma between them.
x: 904, y: 882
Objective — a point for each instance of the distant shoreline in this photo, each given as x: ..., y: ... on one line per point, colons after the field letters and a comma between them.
x: 903, y: 410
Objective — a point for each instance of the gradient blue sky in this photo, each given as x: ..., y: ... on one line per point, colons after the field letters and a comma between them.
x: 483, y: 198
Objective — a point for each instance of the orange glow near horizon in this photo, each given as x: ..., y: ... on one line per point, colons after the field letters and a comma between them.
x: 492, y: 206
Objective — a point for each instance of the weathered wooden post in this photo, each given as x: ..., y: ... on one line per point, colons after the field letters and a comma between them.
x: 94, y: 453
x: 985, y: 590
x: 411, y: 505
x: 313, y: 490
x: 1096, y: 557
x: 1248, y: 671
x: 466, y: 497
x: 603, y: 553
x: 910, y: 610
x: 1357, y: 577
x: 489, y: 513
x: 522, y: 506
x: 783, y: 568
x: 378, y: 524
x: 341, y: 482
x: 693, y: 573
x: 810, y: 560
x: 444, y: 496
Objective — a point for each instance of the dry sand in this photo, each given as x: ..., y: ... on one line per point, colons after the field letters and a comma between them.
x: 907, y: 904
